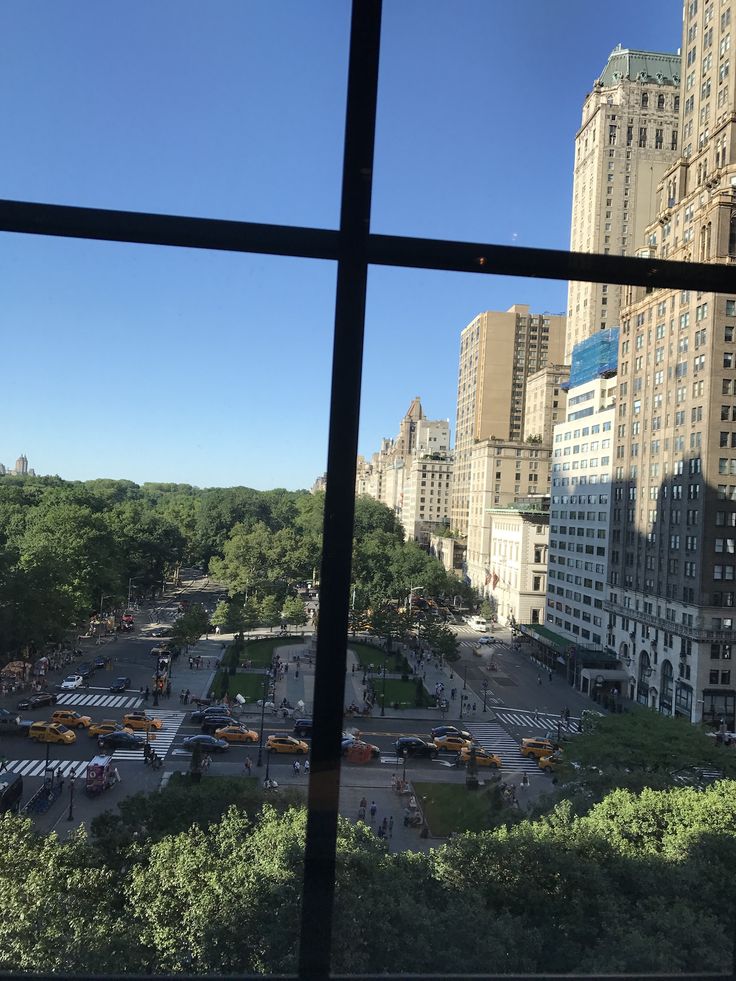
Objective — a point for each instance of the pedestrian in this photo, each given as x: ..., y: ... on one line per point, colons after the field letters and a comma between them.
x: 384, y: 826
x: 380, y: 832
x: 146, y: 694
x: 247, y: 765
x: 117, y: 775
x: 374, y: 811
x: 286, y: 668
x: 550, y: 677
x: 536, y: 715
x: 187, y: 696
x: 391, y: 826
x: 168, y: 689
x: 567, y: 716
x: 191, y: 662
x: 296, y: 673
x: 306, y: 768
x: 352, y: 670
x: 539, y: 679
x: 181, y: 696
x: 363, y: 803
x: 393, y: 781
x: 361, y: 813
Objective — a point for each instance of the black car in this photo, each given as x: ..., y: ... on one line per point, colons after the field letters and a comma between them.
x: 211, y: 723
x: 121, y: 740
x: 440, y: 731
x: 120, y: 684
x: 303, y: 727
x: 209, y: 743
x: 101, y: 661
x: 85, y: 670
x: 414, y: 746
x: 199, y: 714
x: 37, y: 700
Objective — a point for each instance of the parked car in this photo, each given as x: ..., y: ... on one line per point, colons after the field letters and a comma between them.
x: 72, y: 681
x: 199, y: 714
x: 449, y: 730
x: 414, y: 746
x: 50, y: 732
x: 483, y: 757
x: 37, y: 701
x: 210, y: 744
x: 286, y: 744
x: 302, y: 728
x: 72, y: 719
x: 537, y: 747
x: 120, y: 684
x: 237, y: 734
x: 121, y: 739
x: 211, y: 723
x: 359, y: 751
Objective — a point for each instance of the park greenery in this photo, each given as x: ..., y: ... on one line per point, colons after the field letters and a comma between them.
x: 71, y: 549
x: 185, y: 882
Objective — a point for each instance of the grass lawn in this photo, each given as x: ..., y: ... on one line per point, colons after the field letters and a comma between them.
x: 402, y: 693
x: 250, y: 686
x: 452, y: 807
x: 260, y: 652
x: 367, y: 655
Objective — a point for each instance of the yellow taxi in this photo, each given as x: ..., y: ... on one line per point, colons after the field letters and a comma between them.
x: 139, y: 720
x: 537, y: 747
x: 482, y: 758
x: 452, y: 742
x: 51, y: 732
x: 237, y: 734
x: 286, y: 744
x: 105, y: 727
x: 548, y: 764
x: 72, y: 719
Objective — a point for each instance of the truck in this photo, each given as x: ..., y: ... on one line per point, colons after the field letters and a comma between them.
x: 12, y: 724
x: 479, y: 624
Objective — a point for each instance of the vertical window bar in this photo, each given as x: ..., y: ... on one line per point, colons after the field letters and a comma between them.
x: 329, y: 690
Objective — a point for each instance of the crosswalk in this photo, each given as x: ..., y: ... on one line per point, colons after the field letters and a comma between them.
x: 544, y: 721
x: 35, y: 768
x: 161, y: 739
x: 493, y: 737
x: 101, y: 701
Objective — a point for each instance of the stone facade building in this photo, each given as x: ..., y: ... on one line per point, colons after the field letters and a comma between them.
x: 545, y: 402
x: 627, y: 139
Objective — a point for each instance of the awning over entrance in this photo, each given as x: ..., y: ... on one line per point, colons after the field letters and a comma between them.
x: 608, y: 674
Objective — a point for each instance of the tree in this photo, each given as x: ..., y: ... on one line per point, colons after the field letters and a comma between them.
x: 486, y: 610
x: 294, y: 611
x: 221, y: 616
x: 190, y: 626
x: 269, y: 611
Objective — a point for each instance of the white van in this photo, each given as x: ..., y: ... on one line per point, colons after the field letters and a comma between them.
x: 479, y: 624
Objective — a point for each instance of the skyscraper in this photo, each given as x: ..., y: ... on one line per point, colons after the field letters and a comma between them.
x: 672, y: 591
x: 497, y: 352
x: 21, y: 464
x: 627, y: 139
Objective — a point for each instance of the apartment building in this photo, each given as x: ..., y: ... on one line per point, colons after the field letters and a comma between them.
x: 673, y: 525
x: 425, y: 505
x: 500, y: 472
x: 517, y: 575
x: 498, y: 351
x: 627, y: 139
x: 545, y: 402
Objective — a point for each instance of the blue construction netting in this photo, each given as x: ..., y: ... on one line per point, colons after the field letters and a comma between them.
x: 595, y: 357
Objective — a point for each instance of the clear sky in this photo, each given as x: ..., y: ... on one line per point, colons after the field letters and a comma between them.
x: 213, y: 369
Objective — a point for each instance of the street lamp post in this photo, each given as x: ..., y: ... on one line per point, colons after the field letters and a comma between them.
x: 383, y: 697
x: 485, y: 692
x: 268, y: 764
x: 72, y: 780
x: 259, y: 762
x: 465, y: 677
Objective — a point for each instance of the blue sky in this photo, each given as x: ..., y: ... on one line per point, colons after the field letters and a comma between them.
x: 213, y: 369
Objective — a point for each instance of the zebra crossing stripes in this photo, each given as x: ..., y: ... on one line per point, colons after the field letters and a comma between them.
x: 101, y: 701
x: 36, y: 768
x: 161, y: 739
x: 544, y: 721
x: 493, y: 737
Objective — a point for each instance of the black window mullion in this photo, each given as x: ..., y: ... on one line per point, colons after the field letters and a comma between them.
x: 329, y: 688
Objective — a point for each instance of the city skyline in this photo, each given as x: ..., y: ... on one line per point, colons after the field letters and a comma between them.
x: 166, y: 365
